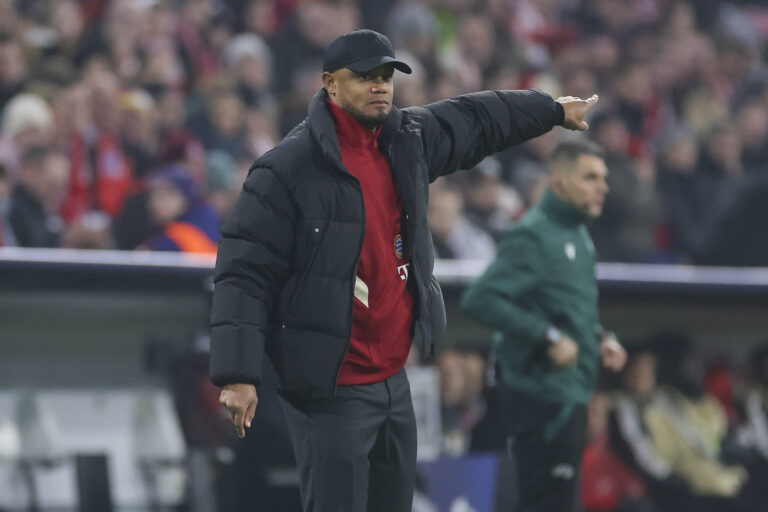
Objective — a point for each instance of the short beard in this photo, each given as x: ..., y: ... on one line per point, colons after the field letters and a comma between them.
x: 369, y: 122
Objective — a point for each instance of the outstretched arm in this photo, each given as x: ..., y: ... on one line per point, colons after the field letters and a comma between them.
x: 459, y: 132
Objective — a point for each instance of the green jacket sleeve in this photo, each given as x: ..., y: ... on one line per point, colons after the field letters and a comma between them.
x: 494, y: 299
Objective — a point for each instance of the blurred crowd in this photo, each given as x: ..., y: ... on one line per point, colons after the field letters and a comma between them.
x: 676, y: 430
x: 132, y: 123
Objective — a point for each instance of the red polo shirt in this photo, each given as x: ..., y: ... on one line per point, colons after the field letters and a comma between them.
x: 383, y: 309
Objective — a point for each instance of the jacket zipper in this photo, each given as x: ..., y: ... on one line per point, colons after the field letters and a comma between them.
x: 410, y: 233
x: 352, y: 294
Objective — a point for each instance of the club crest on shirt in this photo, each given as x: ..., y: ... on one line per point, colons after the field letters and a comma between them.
x: 565, y: 471
x: 399, y: 246
x: 570, y: 251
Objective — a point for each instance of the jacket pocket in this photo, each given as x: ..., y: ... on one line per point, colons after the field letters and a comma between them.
x: 308, y: 241
x: 307, y: 362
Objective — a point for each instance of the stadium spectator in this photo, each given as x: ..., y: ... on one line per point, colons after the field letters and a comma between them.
x: 13, y: 67
x: 305, y: 34
x: 480, y: 47
x: 674, y: 434
x: 526, y: 168
x: 411, y: 88
x: 413, y: 27
x: 194, y: 36
x: 607, y: 483
x: 754, y: 432
x: 454, y: 236
x: 462, y: 381
x: 178, y: 144
x: 7, y: 239
x: 138, y: 130
x: 489, y: 203
x: 102, y: 176
x: 249, y: 60
x: 751, y: 126
x: 225, y: 179
x: 720, y: 383
x: 263, y: 17
x: 9, y: 18
x: 634, y: 212
x: 261, y: 133
x: 660, y: 65
x: 186, y: 222
x: 629, y: 433
x: 223, y: 126
x: 40, y: 188
x: 69, y: 43
x: 27, y: 121
x: 692, y: 201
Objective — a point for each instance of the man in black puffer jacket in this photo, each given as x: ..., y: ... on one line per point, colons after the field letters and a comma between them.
x: 326, y: 265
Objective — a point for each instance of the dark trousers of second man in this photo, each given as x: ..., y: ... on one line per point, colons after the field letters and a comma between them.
x: 548, y: 459
x: 357, y: 451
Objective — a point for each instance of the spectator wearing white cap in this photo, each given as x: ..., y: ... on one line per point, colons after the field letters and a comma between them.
x: 249, y: 59
x: 27, y: 121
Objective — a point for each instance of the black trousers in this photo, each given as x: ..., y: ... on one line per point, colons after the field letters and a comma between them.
x: 548, y: 462
x: 357, y: 451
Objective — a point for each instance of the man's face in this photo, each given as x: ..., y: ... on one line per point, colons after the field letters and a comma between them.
x: 47, y: 180
x: 55, y: 180
x: 12, y: 64
x: 640, y: 377
x: 583, y: 186
x: 166, y: 202
x: 366, y: 96
x: 227, y: 114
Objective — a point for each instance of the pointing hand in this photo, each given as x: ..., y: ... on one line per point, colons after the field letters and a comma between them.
x: 575, y: 110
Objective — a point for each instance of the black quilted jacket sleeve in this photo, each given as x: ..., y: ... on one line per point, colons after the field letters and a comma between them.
x: 459, y: 132
x: 254, y: 255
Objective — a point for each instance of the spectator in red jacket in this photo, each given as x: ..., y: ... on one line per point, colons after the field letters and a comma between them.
x: 606, y: 482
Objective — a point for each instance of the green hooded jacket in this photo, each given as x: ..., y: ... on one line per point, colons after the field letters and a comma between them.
x: 544, y: 274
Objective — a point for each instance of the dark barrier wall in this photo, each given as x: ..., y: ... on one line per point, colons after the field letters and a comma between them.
x: 70, y: 318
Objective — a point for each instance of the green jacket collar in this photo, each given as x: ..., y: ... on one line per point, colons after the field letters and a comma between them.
x: 560, y: 211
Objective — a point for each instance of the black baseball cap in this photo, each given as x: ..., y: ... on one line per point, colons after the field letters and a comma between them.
x: 361, y: 50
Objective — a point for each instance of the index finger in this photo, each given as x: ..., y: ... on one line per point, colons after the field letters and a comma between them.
x: 589, y: 103
x: 237, y: 418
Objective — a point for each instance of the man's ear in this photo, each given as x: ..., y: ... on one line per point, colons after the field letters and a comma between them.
x: 555, y: 180
x: 329, y: 82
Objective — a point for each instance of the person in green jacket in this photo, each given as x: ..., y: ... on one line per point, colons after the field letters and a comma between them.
x: 540, y: 294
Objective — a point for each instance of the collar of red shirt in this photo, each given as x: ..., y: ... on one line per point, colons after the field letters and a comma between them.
x: 351, y: 133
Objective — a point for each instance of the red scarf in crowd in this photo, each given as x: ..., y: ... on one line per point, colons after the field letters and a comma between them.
x: 101, y: 177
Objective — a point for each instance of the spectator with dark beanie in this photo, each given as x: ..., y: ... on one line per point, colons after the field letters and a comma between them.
x: 41, y: 187
x: 187, y: 223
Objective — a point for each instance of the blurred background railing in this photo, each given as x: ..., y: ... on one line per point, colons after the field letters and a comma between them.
x: 74, y: 317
